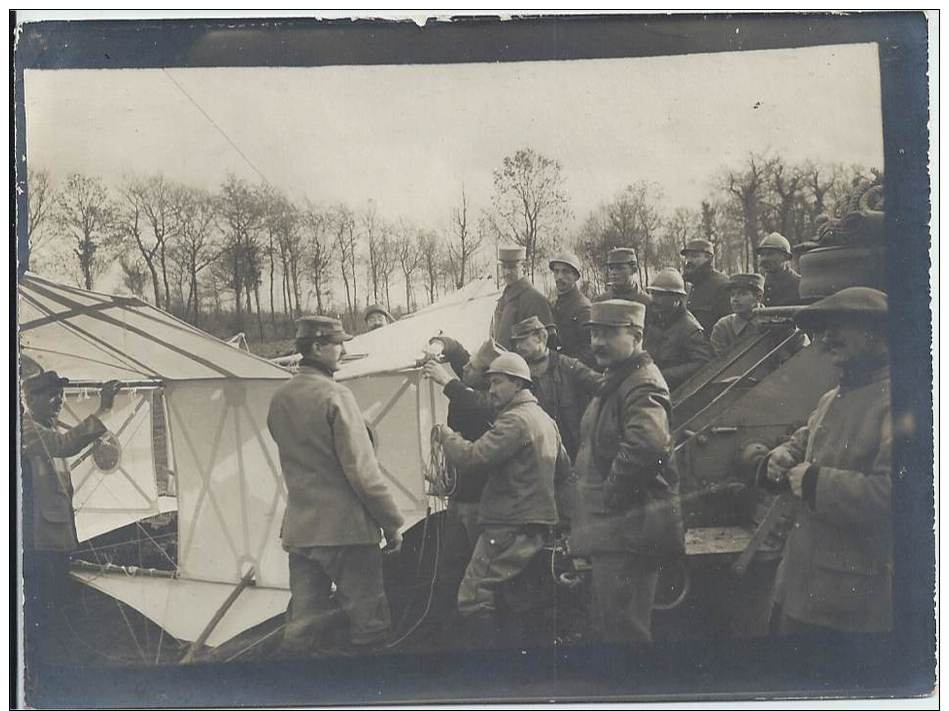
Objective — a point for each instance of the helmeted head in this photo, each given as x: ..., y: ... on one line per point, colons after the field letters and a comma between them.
x: 507, y: 375
x: 616, y: 330
x: 697, y: 253
x: 529, y: 338
x: 850, y: 326
x: 321, y: 338
x: 511, y: 260
x: 668, y: 291
x: 622, y: 267
x: 377, y: 316
x: 43, y: 395
x: 565, y: 266
x: 745, y: 292
x: 774, y: 253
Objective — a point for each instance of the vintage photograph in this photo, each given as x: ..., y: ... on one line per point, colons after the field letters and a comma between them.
x: 533, y: 359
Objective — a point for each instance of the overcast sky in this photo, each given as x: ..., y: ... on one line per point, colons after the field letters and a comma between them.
x: 409, y: 136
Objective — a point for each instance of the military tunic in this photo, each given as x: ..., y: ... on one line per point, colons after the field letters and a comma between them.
x: 730, y: 329
x: 782, y: 288
x: 518, y: 301
x: 677, y: 345
x: 630, y: 292
x: 708, y: 298
x: 570, y: 312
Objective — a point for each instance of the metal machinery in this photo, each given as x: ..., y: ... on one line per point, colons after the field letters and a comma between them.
x: 731, y: 413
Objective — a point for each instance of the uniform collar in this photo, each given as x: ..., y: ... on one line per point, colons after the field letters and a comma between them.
x: 571, y: 295
x: 314, y: 367
x: 520, y: 398
x: 618, y: 373
x: 512, y: 290
x: 866, y: 373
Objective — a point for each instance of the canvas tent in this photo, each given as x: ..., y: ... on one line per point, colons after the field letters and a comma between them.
x: 213, y: 400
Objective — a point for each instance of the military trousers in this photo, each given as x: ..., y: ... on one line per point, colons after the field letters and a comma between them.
x: 360, y: 597
x: 624, y: 589
x: 465, y: 513
x: 501, y: 553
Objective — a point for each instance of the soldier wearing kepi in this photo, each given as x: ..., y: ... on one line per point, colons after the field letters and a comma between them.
x: 563, y: 385
x: 571, y: 309
x: 628, y: 514
x: 49, y: 522
x: 622, y: 276
x: 781, y: 282
x: 837, y: 570
x: 745, y: 292
x: 674, y: 338
x: 528, y: 470
x: 519, y: 300
x: 337, y: 500
x: 708, y: 297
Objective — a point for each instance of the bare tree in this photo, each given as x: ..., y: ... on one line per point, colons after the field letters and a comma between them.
x: 683, y: 225
x: 40, y: 199
x: 319, y: 252
x: 344, y: 232
x: 283, y: 223
x: 85, y: 213
x: 465, y: 243
x: 747, y: 187
x: 431, y: 261
x: 242, y: 216
x: 196, y: 216
x: 529, y: 201
x: 409, y: 256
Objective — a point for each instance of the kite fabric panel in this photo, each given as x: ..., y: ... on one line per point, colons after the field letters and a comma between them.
x: 464, y: 315
x: 85, y: 335
x: 115, y: 481
x: 184, y: 607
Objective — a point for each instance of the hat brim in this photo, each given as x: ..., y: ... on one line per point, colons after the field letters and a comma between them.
x: 745, y: 287
x: 654, y: 290
x: 614, y: 324
x: 46, y: 385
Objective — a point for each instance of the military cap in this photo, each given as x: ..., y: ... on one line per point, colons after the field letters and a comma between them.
x: 486, y: 354
x: 378, y: 309
x: 512, y: 254
x: 511, y: 364
x: 526, y: 327
x: 850, y: 304
x: 668, y: 280
x: 698, y: 245
x: 776, y: 241
x: 46, y: 381
x: 568, y: 258
x: 621, y: 255
x: 321, y: 327
x: 754, y: 282
x: 617, y: 312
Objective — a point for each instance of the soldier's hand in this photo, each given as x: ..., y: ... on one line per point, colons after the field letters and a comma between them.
x: 796, y: 477
x: 107, y: 395
x: 438, y: 372
x: 779, y: 461
x: 393, y: 542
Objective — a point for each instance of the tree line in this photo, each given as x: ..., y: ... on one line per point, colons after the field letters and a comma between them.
x: 258, y: 257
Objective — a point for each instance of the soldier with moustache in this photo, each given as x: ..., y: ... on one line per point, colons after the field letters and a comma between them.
x: 622, y: 276
x: 782, y: 283
x: 571, y: 309
x: 745, y: 292
x: 708, y: 295
x: 519, y: 300
x: 628, y: 516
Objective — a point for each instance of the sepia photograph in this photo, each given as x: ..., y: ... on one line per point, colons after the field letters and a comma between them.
x: 472, y: 359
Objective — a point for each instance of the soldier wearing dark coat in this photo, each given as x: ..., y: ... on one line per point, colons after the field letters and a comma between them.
x: 674, y: 338
x: 519, y: 300
x: 708, y: 294
x: 782, y: 283
x: 49, y: 521
x: 571, y: 309
x: 628, y: 511
x: 622, y: 276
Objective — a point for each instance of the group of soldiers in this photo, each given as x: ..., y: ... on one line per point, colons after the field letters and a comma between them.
x: 559, y: 424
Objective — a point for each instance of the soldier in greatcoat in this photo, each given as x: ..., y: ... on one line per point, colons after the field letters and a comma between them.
x: 519, y: 300
x: 622, y: 277
x: 744, y: 293
x: 628, y: 516
x: 782, y: 283
x: 571, y: 309
x: 708, y: 297
x: 338, y: 502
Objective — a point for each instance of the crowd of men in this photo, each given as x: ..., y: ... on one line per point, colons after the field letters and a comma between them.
x: 560, y: 425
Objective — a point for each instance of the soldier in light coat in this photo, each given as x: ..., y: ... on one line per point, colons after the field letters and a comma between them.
x: 744, y: 292
x: 629, y: 517
x: 837, y: 571
x: 337, y: 499
x: 528, y: 479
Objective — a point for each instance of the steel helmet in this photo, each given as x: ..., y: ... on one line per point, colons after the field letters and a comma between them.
x: 511, y: 364
x: 568, y: 258
x: 669, y: 281
x: 775, y: 241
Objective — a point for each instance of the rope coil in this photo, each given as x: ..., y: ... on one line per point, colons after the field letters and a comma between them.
x: 440, y: 474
